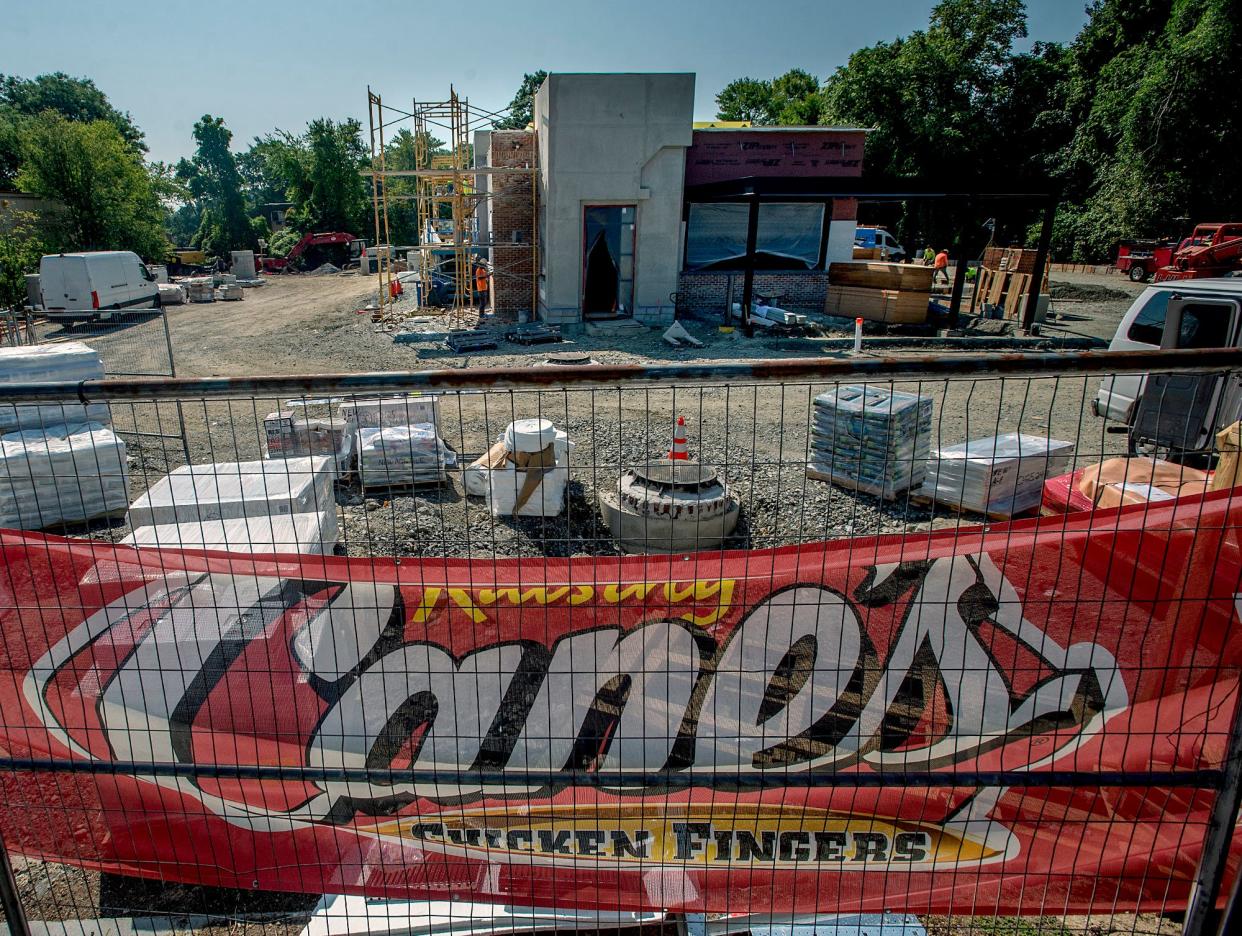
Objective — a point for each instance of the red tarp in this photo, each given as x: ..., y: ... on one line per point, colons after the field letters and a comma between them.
x: 1094, y: 642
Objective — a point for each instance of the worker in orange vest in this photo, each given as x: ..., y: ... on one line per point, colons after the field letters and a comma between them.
x: 941, y: 266
x: 480, y: 284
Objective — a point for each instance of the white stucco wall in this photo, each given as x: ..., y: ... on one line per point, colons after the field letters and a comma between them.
x: 612, y: 139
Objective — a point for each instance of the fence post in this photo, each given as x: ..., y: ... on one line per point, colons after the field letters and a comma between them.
x: 172, y: 372
x: 1210, y: 876
x: 14, y: 913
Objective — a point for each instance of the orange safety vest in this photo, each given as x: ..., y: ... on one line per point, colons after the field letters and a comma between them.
x: 480, y: 279
x: 942, y: 260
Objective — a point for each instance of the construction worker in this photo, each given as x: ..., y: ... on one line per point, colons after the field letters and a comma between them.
x: 940, y: 266
x: 928, y: 256
x: 480, y: 284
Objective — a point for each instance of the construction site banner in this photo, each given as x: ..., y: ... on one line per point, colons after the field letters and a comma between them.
x: 729, y: 731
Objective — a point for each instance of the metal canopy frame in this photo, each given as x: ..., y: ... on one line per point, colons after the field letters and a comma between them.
x: 755, y: 190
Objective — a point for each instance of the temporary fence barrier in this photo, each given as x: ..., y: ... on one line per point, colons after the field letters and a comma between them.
x: 137, y: 343
x: 840, y: 703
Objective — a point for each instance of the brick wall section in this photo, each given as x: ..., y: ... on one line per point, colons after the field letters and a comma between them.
x: 707, y: 293
x: 513, y: 222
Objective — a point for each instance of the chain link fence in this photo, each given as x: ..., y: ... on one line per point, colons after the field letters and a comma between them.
x: 885, y: 644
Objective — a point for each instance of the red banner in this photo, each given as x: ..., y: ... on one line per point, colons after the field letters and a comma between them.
x: 1101, y: 642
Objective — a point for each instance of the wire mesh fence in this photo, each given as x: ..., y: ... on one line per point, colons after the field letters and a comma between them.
x: 715, y: 647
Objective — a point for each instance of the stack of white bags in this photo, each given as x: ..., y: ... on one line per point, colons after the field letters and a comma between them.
x: 59, y: 462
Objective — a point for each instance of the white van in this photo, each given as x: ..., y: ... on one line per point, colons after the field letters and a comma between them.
x: 1186, y: 410
x: 95, y: 286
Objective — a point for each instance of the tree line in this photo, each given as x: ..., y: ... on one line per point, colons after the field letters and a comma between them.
x: 1137, y: 122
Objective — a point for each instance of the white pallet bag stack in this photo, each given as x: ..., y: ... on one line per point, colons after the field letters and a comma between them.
x: 171, y: 294
x: 999, y: 475
x: 232, y: 490
x: 61, y: 474
x: 301, y: 533
x: 526, y: 472
x: 402, y: 454
x: 69, y: 362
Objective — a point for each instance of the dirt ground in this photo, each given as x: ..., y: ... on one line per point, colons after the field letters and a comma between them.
x: 756, y: 436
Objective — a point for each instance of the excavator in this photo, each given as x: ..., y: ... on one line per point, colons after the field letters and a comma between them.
x: 1212, y: 250
x: 318, y: 245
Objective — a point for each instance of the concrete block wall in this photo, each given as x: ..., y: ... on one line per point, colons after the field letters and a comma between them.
x: 512, y: 220
x: 707, y: 293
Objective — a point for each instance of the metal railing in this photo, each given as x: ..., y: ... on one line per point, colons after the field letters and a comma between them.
x: 196, y: 738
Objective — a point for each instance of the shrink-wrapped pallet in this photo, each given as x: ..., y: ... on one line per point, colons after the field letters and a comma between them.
x: 305, y: 533
x: 871, y: 439
x: 69, y: 362
x: 61, y: 474
x: 229, y: 490
x: 400, y: 455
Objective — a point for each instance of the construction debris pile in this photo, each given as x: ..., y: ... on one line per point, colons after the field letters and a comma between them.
x: 871, y: 439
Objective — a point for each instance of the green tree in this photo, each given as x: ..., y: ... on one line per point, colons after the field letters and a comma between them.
x: 955, y: 102
x: 792, y: 99
x: 323, y: 174
x: 522, y: 107
x: 260, y: 167
x: 21, y: 247
x: 216, y: 187
x: 746, y: 99
x: 1152, y: 95
x: 73, y: 98
x: 108, y: 197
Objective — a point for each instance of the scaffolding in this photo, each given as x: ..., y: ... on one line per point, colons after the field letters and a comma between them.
x: 453, y: 191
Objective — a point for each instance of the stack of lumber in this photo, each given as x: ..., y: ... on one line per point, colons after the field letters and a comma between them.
x: 893, y: 293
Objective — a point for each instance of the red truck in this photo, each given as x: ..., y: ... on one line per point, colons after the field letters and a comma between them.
x: 1138, y: 259
x: 1214, y: 249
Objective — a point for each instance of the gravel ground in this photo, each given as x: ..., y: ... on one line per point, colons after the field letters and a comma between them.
x: 755, y: 436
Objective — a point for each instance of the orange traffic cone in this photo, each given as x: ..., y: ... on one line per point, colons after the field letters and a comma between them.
x: 678, y: 451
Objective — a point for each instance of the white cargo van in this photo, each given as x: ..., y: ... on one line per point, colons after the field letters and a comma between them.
x: 95, y: 286
x: 1179, y: 412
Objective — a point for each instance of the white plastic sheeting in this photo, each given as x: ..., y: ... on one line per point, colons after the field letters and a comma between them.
x: 305, y: 533
x: 62, y: 474
x: 1000, y: 475
x: 57, y: 363
x: 229, y: 490
x: 716, y: 234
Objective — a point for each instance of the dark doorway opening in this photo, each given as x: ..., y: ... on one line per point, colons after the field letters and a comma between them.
x: 608, y: 261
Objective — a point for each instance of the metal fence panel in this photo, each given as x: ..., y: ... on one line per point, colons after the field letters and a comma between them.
x: 842, y: 702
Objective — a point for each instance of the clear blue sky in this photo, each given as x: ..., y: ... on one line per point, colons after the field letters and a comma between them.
x: 262, y: 65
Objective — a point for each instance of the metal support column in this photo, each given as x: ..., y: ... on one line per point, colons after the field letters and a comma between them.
x: 14, y: 913
x: 748, y: 280
x: 1210, y: 876
x: 1041, y: 265
x: 959, y: 285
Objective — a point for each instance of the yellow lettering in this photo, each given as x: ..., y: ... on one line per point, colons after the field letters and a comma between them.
x: 619, y: 593
x: 426, y: 604
x: 461, y: 598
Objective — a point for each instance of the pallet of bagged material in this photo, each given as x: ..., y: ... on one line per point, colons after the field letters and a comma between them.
x: 891, y: 306
x: 903, y: 276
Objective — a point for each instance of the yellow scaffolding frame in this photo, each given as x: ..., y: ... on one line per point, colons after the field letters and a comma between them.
x: 448, y: 201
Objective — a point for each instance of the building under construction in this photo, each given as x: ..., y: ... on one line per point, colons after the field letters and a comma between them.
x: 614, y: 205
